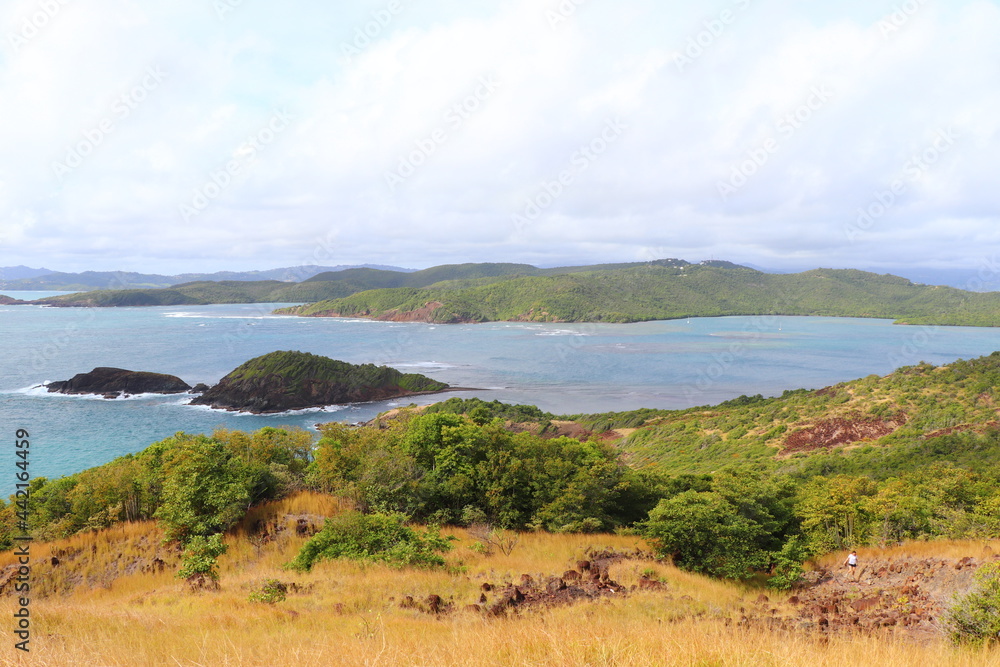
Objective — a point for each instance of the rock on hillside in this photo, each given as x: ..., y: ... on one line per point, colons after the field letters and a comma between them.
x: 903, y: 596
x: 282, y: 381
x: 113, y: 382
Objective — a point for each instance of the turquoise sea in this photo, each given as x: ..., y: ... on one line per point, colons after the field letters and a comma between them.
x: 563, y: 368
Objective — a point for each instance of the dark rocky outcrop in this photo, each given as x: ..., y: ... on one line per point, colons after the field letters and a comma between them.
x: 10, y: 301
x: 282, y: 381
x: 113, y: 382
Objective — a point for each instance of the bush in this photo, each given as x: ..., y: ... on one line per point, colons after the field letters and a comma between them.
x: 199, y: 564
x: 375, y: 538
x: 974, y: 618
x: 271, y: 591
x: 788, y: 562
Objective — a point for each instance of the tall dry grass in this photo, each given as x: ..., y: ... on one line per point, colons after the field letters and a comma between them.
x: 349, y: 614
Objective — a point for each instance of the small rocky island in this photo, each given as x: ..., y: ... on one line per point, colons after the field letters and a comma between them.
x: 281, y: 381
x: 114, y: 382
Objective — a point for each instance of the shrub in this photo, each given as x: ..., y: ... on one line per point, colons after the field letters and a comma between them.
x: 974, y: 618
x: 376, y: 538
x: 199, y: 564
x: 271, y: 591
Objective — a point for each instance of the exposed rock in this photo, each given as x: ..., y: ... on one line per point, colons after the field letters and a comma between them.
x: 10, y: 301
x: 113, y: 382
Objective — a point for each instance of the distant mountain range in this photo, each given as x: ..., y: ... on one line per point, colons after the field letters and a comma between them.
x: 657, y: 290
x: 25, y: 278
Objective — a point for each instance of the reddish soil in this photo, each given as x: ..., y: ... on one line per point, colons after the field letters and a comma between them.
x: 828, y: 433
x: 960, y: 428
x: 554, y: 430
x: 906, y: 597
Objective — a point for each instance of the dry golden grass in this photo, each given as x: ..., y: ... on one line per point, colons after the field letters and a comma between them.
x: 349, y: 614
x: 952, y: 549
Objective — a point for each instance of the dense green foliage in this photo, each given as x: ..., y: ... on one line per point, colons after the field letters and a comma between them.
x: 298, y: 368
x: 441, y: 466
x: 194, y: 484
x: 732, y: 529
x: 373, y: 538
x: 669, y: 291
x: 482, y: 411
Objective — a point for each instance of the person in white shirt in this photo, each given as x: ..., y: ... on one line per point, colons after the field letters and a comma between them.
x: 852, y: 562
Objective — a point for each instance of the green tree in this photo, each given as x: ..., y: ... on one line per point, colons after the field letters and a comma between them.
x: 205, y: 489
x: 703, y: 532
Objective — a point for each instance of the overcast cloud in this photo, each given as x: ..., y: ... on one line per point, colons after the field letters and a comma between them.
x: 201, y: 135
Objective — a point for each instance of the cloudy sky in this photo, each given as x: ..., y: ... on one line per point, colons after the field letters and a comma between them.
x: 201, y: 135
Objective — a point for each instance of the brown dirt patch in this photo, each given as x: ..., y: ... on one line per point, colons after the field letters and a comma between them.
x: 829, y: 433
x: 904, y: 597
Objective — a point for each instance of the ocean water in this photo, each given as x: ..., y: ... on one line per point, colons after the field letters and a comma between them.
x: 563, y: 368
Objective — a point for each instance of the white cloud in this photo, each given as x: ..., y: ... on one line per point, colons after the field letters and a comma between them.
x: 888, y: 92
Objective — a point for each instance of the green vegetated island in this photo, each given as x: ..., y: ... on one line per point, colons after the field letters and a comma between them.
x: 287, y: 380
x: 662, y: 289
x: 274, y: 382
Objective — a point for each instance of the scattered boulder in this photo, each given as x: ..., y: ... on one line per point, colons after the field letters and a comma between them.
x: 113, y: 382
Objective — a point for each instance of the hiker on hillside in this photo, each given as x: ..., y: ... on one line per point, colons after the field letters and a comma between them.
x: 852, y: 562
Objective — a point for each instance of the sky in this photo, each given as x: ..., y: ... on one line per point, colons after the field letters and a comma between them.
x: 169, y: 136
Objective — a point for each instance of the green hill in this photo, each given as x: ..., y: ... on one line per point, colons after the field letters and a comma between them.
x: 281, y: 381
x: 663, y: 289
x: 656, y: 291
x: 208, y: 292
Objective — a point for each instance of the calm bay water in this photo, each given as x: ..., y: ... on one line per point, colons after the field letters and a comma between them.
x: 563, y: 368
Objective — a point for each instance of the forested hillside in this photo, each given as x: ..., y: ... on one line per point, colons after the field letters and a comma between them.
x: 657, y: 291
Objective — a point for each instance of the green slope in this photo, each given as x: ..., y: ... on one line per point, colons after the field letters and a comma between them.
x: 209, y: 292
x: 655, y: 291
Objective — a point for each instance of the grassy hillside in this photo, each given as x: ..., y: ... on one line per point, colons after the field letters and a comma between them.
x: 664, y: 289
x: 208, y: 292
x: 657, y: 291
x: 113, y: 599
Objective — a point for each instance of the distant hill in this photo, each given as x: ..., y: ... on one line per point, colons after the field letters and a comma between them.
x: 20, y: 272
x: 22, y: 278
x: 633, y: 292
x: 323, y: 286
x: 668, y: 289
